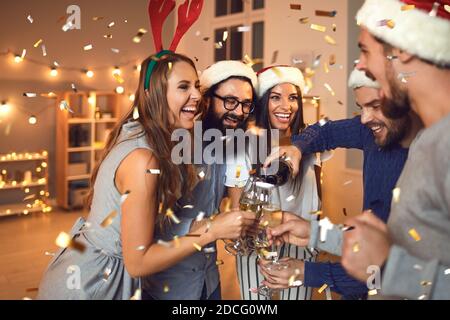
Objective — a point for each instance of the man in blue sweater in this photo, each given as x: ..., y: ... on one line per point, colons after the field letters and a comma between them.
x: 385, y: 145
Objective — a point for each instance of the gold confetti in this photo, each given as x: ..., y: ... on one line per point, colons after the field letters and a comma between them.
x: 304, y: 20
x: 225, y: 36
x: 295, y: 6
x: 64, y: 240
x: 318, y: 27
x: 425, y: 283
x: 355, y: 247
x: 317, y: 213
x: 291, y: 280
x: 135, y: 113
x: 118, y: 78
x: 201, y: 175
x: 321, y: 13
x: 219, y: 262
x: 108, y: 36
x: 137, y: 295
x: 386, y: 22
x: 290, y: 198
x: 326, y: 68
x: 238, y: 172
x: 137, y: 38
x: 322, y: 288
x: 106, y: 274
x: 166, y: 288
x: 169, y: 65
x: 30, y: 19
x: 32, y: 196
x: 109, y: 219
x: 172, y: 216
x: 111, y: 24
x: 38, y: 43
x: 396, y: 195
x: 330, y: 40
x: 328, y: 87
x: 218, y: 45
x: 154, y: 171
x: 372, y: 292
x: 408, y: 7
x: 414, y: 234
x: 97, y: 18
x: 334, y: 27
x: 197, y: 246
x: 88, y: 47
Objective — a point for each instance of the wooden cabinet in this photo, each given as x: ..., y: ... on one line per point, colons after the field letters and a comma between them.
x: 83, y: 122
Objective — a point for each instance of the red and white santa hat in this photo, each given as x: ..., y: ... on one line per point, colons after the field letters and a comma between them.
x: 271, y: 76
x: 223, y: 70
x: 419, y: 27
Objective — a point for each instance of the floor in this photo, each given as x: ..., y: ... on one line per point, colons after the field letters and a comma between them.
x: 24, y: 241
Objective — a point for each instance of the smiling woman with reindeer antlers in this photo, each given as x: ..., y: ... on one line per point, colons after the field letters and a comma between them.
x: 105, y: 256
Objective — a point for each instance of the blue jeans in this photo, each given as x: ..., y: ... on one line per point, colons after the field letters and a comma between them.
x: 215, y: 295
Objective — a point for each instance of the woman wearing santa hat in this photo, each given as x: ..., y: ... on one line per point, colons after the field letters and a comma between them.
x: 280, y: 108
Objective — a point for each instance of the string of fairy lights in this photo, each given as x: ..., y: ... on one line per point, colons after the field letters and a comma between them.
x: 54, y: 71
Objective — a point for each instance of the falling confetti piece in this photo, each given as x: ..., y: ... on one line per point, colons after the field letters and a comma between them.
x: 408, y: 7
x: 414, y: 234
x: 225, y: 36
x: 344, y: 211
x: 386, y: 22
x: 74, y: 88
x: 403, y: 76
x: 38, y: 43
x: 294, y: 6
x: 318, y: 27
x: 176, y: 242
x: 164, y: 243
x: 32, y: 289
x: 274, y: 57
x: 355, y: 247
x: 209, y: 250
x: 154, y: 171
x: 135, y: 113
x: 425, y: 283
x: 30, y: 19
x: 106, y: 274
x: 447, y: 271
x: 65, y: 106
x: 29, y: 197
x: 169, y: 64
x: 206, y: 39
x: 218, y: 45
x: 434, y: 10
x: 197, y: 246
x: 244, y: 29
x: 108, y: 36
x: 138, y: 37
x: 200, y: 216
x: 141, y: 248
x: 422, y: 297
x: 111, y: 24
x: 326, y: 68
x: 97, y: 18
x: 418, y: 267
x: 124, y: 196
x: 88, y: 47
x: 115, y: 50
x: 67, y: 26
x: 290, y: 198
x: 30, y: 94
x: 166, y: 289
x: 137, y: 295
x: 51, y: 254
x: 396, y: 195
x: 330, y: 40
x: 321, y: 13
x: 304, y: 20
x: 346, y: 183
x: 326, y: 85
x: 201, y: 175
x: 238, y: 172
x: 188, y: 206
x: 372, y: 292
x: 334, y: 27
x: 172, y: 216
x: 109, y: 219
x: 316, y: 62
x: 322, y: 288
x: 219, y: 262
x: 447, y: 8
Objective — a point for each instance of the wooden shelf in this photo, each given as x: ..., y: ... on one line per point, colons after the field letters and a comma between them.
x: 9, y: 186
x: 79, y: 177
x: 19, y: 208
x: 32, y: 157
x: 85, y: 105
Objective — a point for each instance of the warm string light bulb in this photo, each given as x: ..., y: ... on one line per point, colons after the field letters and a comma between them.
x: 120, y: 90
x: 32, y: 120
x: 4, y: 108
x: 132, y: 97
x: 116, y: 71
x: 17, y: 59
x: 53, y: 72
x: 89, y: 73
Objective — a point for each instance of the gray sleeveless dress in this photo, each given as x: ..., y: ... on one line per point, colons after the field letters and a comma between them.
x: 98, y: 272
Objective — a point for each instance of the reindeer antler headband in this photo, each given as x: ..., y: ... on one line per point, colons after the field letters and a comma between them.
x: 158, y: 11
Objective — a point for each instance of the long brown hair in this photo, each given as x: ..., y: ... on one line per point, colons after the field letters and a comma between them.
x: 154, y: 116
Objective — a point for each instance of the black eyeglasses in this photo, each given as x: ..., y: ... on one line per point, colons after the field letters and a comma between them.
x: 231, y: 103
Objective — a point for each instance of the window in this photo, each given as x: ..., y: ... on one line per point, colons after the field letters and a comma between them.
x: 244, y: 22
x: 258, y: 4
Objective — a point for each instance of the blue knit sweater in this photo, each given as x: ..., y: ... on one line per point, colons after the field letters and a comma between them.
x: 382, y: 168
